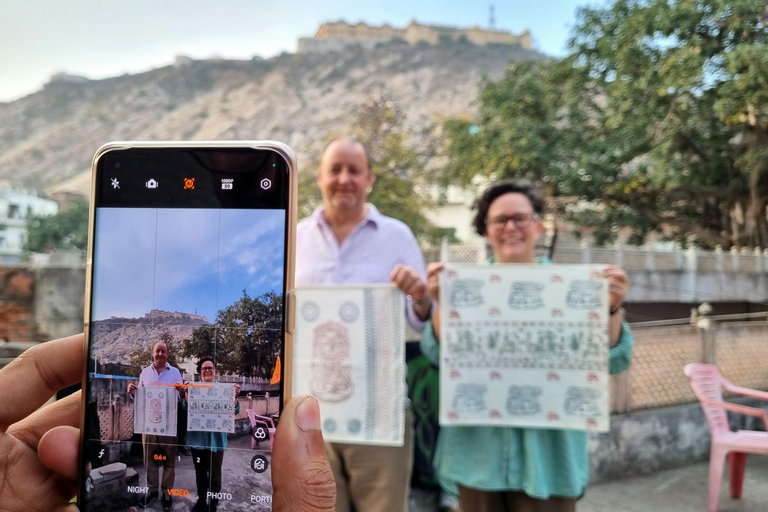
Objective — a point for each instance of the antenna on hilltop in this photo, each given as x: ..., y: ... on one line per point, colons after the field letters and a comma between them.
x: 492, y: 18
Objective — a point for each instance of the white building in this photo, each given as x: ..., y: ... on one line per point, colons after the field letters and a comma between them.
x: 15, y: 207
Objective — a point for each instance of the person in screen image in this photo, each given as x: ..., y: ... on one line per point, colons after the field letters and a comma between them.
x: 518, y: 469
x: 347, y: 241
x: 159, y: 372
x: 208, y: 448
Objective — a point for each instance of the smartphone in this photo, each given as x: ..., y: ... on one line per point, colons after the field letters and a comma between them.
x: 188, y: 324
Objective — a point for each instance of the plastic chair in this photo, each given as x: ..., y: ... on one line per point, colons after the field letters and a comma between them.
x: 707, y: 382
x: 264, y: 421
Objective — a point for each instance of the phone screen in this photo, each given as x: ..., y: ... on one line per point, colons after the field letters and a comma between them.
x: 189, y: 272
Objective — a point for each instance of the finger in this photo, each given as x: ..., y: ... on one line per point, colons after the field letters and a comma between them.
x: 434, y: 268
x: 59, y: 451
x: 62, y: 412
x: 394, y: 275
x: 33, y: 377
x: 301, y: 477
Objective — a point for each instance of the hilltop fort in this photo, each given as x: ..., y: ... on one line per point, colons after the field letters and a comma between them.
x: 337, y: 36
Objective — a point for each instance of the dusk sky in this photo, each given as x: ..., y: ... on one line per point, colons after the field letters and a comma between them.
x: 101, y: 39
x: 189, y: 261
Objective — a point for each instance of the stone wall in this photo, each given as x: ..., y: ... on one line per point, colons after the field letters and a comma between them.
x: 645, y: 442
x: 337, y: 36
x: 17, y: 305
x: 39, y: 304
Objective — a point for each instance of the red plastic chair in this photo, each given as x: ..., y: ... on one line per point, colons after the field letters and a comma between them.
x: 264, y: 421
x: 707, y: 383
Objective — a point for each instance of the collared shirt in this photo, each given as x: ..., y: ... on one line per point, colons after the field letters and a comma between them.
x: 366, y: 256
x: 540, y: 462
x: 168, y: 375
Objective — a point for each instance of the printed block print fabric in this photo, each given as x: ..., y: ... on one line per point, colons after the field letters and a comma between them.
x: 155, y: 410
x: 524, y: 346
x: 211, y: 407
x: 349, y: 352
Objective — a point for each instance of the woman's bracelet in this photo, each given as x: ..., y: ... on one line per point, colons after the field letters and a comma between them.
x: 615, y: 309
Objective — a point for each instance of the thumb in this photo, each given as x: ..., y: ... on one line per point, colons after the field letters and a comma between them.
x: 301, y: 477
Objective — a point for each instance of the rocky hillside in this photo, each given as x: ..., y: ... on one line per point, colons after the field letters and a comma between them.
x: 47, y: 139
x: 115, y: 338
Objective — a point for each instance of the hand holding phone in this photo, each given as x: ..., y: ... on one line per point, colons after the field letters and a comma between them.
x: 46, y: 480
x: 189, y: 278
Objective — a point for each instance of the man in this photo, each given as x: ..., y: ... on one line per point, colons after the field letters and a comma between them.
x: 348, y: 241
x: 42, y: 445
x: 159, y: 449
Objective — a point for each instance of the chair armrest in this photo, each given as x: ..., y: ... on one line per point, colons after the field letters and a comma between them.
x: 742, y: 409
x: 264, y: 419
x: 752, y: 393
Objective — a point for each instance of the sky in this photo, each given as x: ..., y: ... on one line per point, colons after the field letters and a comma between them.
x: 191, y: 261
x: 100, y: 39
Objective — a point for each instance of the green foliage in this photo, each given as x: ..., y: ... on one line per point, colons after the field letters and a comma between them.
x: 245, y: 339
x: 65, y: 230
x: 657, y: 118
x: 141, y: 356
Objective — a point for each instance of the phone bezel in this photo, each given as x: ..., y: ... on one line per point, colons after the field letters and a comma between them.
x: 288, y: 156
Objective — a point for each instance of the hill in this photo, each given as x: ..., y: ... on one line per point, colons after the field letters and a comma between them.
x: 47, y: 139
x: 115, y: 338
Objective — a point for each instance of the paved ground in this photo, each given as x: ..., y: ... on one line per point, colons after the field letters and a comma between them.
x: 678, y: 490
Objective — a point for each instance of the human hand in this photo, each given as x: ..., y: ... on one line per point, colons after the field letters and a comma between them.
x: 237, y: 391
x: 178, y: 386
x: 433, y: 279
x: 409, y: 281
x: 41, y: 446
x: 132, y: 389
x: 618, y: 284
x: 301, y: 476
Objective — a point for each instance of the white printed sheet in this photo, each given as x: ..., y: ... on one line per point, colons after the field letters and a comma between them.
x: 349, y: 353
x: 524, y: 346
x: 155, y: 410
x: 211, y: 407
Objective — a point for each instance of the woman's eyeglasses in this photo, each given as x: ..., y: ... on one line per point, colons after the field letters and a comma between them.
x: 520, y: 220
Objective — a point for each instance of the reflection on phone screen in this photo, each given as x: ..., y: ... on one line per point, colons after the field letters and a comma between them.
x: 184, y: 365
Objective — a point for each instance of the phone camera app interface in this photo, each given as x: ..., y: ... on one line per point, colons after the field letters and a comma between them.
x: 186, y: 337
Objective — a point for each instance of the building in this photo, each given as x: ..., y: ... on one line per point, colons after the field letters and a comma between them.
x: 15, y: 207
x: 337, y: 36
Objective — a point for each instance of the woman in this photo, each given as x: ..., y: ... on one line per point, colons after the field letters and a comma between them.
x: 208, y: 447
x: 518, y: 469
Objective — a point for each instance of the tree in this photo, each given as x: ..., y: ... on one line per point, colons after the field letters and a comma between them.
x: 402, y: 173
x: 65, y: 230
x: 245, y: 339
x: 657, y: 120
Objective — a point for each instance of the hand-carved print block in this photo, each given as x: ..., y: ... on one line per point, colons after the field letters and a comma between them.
x: 583, y: 294
x: 466, y: 293
x: 523, y: 400
x: 331, y: 363
x: 310, y: 311
x: 582, y: 401
x: 526, y: 295
x: 469, y: 398
x: 349, y: 312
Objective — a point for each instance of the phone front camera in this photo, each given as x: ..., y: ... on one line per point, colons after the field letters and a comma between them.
x: 117, y: 165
